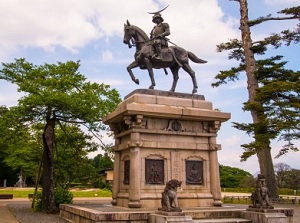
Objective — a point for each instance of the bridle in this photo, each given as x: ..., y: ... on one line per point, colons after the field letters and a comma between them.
x: 132, y: 40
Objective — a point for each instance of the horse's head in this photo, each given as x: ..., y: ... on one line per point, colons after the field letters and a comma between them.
x: 129, y: 32
x: 134, y: 34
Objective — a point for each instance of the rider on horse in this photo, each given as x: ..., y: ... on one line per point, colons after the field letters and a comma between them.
x: 158, y: 35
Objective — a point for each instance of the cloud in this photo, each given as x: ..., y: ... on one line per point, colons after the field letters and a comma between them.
x: 69, y: 23
x: 107, y: 56
x: 72, y: 24
x: 285, y: 3
x: 233, y: 140
x: 10, y: 95
x: 199, y: 33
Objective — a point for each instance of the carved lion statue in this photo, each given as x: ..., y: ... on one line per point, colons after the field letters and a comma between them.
x: 169, y: 201
x: 259, y: 197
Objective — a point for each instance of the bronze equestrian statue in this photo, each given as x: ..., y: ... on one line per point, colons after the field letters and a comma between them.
x: 155, y: 53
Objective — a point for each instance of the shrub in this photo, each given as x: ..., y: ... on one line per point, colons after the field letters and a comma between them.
x: 104, y: 185
x: 37, y: 199
x: 63, y: 195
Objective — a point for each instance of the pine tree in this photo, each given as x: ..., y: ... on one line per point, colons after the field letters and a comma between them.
x: 270, y: 106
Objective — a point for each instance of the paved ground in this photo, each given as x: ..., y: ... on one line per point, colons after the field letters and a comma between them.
x: 21, y: 206
x: 6, y: 215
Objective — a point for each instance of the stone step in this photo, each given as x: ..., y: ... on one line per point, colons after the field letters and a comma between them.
x: 223, y: 220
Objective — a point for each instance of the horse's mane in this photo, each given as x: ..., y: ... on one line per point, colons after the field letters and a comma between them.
x: 140, y: 31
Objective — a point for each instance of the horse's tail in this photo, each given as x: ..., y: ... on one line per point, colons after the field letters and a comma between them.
x: 195, y: 59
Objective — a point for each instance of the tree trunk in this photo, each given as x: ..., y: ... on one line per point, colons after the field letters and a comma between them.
x: 263, y: 150
x: 48, y: 198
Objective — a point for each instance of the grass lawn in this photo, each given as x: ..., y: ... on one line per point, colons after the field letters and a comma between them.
x: 23, y: 192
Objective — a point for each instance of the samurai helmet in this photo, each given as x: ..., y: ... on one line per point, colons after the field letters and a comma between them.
x: 157, y: 14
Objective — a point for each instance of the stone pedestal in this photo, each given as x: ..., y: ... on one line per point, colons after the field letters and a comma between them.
x: 166, y: 217
x: 161, y: 136
x: 261, y: 215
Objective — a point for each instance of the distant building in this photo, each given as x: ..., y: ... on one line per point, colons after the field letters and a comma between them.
x: 107, y: 175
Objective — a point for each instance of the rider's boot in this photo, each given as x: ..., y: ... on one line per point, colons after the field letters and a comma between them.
x: 158, y: 52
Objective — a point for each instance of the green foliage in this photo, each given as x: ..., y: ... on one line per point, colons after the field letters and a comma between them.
x: 63, y: 195
x: 228, y: 75
x: 19, y: 146
x: 55, y: 94
x: 63, y: 90
x: 248, y: 181
x: 102, y: 161
x: 239, y: 190
x: 104, y: 185
x: 279, y: 91
x: 275, y: 103
x: 287, y: 177
x: 232, y: 177
x: 287, y: 191
x: 72, y: 147
x: 38, y: 201
x: 290, y: 13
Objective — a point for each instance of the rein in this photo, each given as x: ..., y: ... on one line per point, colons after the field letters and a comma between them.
x: 133, y: 42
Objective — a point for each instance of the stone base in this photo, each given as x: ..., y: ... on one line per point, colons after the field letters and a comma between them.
x: 263, y: 215
x: 161, y: 136
x: 134, y: 204
x: 217, y: 203
x: 164, y: 217
x: 105, y: 213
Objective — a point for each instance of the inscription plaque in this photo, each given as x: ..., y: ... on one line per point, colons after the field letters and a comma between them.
x: 194, y: 171
x: 154, y: 171
x: 126, y: 171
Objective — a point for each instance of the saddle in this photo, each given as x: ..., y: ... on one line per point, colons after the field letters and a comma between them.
x: 167, y: 55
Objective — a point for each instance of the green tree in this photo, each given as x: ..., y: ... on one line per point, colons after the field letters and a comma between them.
x: 281, y: 170
x: 287, y: 177
x: 232, y: 177
x: 72, y: 147
x: 57, y: 93
x: 103, y: 161
x: 19, y: 147
x: 264, y: 99
x: 293, y: 180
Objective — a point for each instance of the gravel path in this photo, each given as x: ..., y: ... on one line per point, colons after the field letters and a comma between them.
x: 25, y: 214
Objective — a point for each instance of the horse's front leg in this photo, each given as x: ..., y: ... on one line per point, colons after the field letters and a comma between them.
x: 150, y: 71
x: 134, y: 64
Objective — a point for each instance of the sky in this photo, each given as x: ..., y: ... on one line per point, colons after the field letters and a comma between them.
x: 91, y: 31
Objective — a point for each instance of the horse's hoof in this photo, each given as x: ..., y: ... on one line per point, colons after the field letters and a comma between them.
x: 194, y: 91
x: 151, y: 87
x: 137, y: 81
x: 172, y: 90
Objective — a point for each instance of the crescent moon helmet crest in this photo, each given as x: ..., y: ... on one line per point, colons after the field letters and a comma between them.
x: 159, y: 10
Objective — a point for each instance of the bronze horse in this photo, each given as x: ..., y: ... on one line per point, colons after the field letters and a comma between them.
x: 174, y: 57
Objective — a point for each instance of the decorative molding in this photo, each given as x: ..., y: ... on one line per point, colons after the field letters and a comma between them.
x: 195, y: 157
x: 175, y: 125
x: 212, y: 126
